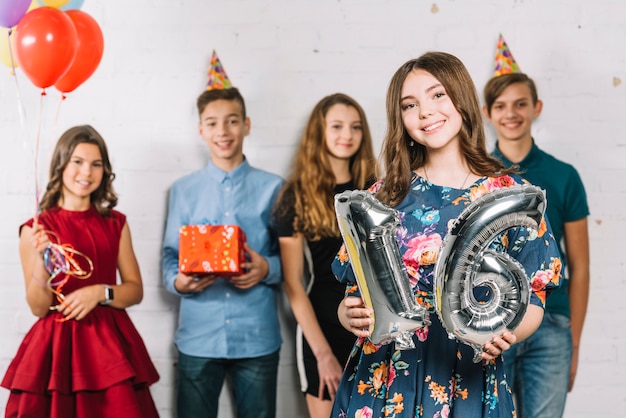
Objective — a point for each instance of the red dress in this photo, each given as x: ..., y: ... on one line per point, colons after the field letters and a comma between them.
x: 95, y: 367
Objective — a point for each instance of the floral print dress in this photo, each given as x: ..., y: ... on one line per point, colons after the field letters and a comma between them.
x: 438, y: 377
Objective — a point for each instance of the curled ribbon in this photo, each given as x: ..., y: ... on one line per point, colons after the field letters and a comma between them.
x: 61, y: 262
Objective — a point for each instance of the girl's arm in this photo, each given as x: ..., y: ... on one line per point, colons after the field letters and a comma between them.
x: 530, y: 323
x: 130, y: 292
x: 33, y: 242
x: 540, y: 256
x: 292, y: 250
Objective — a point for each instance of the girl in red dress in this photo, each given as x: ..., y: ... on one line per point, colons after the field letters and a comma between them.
x: 83, y: 357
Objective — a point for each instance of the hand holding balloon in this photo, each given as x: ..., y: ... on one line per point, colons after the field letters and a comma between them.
x: 355, y: 316
x: 480, y: 293
x: 368, y: 229
x: 498, y: 345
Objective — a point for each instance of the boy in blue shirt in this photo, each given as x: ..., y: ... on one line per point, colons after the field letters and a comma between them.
x: 227, y: 326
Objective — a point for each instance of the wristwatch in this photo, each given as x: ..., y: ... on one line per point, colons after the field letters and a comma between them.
x: 108, y: 295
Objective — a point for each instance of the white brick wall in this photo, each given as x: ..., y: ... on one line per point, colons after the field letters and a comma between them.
x: 285, y: 55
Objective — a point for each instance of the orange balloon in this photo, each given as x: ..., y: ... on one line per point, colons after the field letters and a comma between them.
x: 88, y: 53
x: 45, y: 45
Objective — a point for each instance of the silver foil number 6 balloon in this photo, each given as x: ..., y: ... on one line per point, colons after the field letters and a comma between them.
x: 368, y: 229
x: 479, y: 292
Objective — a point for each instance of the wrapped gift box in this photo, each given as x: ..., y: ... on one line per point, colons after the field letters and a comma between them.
x: 214, y: 249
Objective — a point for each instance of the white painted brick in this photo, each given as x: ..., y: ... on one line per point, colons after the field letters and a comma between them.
x: 285, y: 55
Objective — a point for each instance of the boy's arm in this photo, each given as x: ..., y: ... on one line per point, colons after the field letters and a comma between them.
x: 275, y: 270
x: 169, y: 260
x: 577, y: 250
x: 263, y: 266
x: 274, y: 273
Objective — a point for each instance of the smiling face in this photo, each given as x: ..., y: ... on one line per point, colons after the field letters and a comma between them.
x: 513, y: 112
x: 82, y: 176
x: 428, y: 114
x: 343, y: 132
x: 223, y: 127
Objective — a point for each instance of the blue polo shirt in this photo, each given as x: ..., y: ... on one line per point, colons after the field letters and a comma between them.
x: 567, y: 202
x: 224, y: 321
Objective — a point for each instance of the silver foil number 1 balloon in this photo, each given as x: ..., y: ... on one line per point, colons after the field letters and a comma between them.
x: 479, y: 292
x: 368, y: 229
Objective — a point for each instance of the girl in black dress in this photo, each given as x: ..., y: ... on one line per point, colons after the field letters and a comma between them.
x: 335, y: 154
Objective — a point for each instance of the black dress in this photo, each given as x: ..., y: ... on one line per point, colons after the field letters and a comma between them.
x: 325, y: 293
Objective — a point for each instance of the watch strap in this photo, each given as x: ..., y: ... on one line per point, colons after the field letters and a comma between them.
x: 108, y: 295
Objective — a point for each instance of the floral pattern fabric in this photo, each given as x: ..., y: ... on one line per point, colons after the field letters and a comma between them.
x: 438, y: 377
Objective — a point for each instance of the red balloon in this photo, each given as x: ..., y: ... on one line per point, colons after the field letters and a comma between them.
x: 45, y: 45
x: 88, y: 54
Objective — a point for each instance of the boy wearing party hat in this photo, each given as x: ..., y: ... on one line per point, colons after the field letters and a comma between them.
x: 228, y: 326
x: 542, y: 368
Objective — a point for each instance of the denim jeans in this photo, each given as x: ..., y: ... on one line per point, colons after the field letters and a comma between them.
x: 199, y: 383
x: 538, y: 369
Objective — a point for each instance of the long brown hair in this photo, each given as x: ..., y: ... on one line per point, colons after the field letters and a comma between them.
x: 312, y: 180
x: 399, y: 158
x: 103, y: 198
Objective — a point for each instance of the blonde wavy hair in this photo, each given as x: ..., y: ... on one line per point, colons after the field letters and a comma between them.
x: 312, y: 181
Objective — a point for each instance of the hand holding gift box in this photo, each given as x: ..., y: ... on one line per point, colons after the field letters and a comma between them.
x: 215, y: 249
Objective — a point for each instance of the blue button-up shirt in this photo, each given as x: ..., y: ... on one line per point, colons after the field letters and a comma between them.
x: 224, y: 321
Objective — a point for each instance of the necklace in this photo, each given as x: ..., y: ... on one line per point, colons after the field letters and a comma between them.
x: 462, y: 184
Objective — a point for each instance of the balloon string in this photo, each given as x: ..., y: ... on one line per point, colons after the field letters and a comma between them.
x: 56, y: 118
x: 37, y: 156
x: 20, y: 105
x: 21, y: 111
x: 61, y: 261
